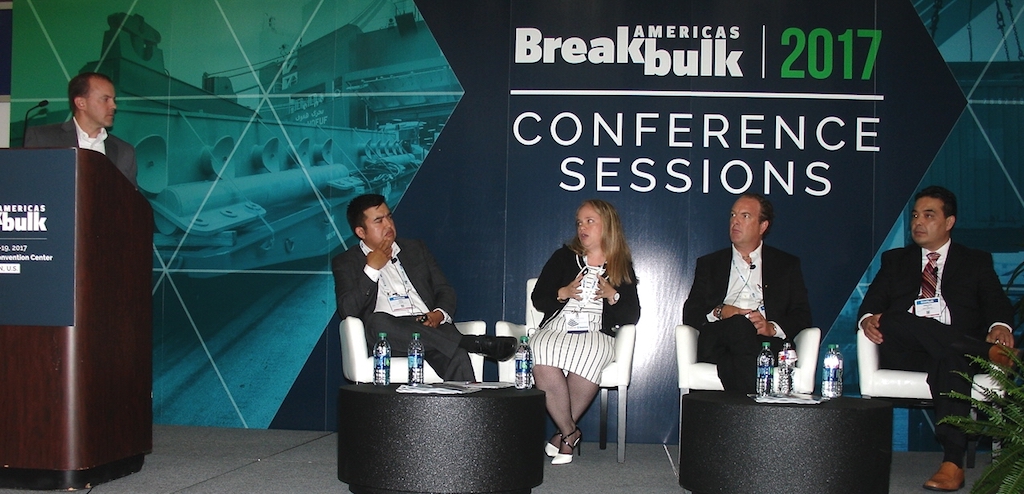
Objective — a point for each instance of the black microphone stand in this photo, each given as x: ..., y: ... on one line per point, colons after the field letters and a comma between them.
x: 24, y: 126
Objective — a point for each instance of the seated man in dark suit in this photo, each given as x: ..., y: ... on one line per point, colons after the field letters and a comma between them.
x: 745, y: 295
x: 930, y: 304
x: 91, y: 96
x: 395, y: 286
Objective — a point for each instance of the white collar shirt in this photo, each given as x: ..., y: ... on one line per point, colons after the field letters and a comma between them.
x: 396, y: 281
x: 745, y: 288
x: 94, y: 143
x: 392, y: 281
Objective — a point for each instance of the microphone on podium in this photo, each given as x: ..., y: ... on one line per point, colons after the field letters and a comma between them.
x: 24, y: 126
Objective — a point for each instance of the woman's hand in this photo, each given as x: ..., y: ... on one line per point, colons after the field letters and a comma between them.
x: 605, y: 290
x: 572, y: 290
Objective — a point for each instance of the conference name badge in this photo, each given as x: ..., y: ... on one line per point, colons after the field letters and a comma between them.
x: 577, y: 322
x: 401, y: 305
x: 927, y: 307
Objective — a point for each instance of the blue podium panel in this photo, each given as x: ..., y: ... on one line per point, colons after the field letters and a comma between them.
x: 37, y: 232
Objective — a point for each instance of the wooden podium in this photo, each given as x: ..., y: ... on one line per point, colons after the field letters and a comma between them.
x: 75, y: 320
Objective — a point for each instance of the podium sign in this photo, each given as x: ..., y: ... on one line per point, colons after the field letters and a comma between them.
x: 37, y: 231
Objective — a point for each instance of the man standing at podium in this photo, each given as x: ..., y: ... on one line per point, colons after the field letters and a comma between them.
x: 91, y: 96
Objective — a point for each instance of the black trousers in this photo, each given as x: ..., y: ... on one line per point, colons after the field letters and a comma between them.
x: 733, y: 344
x: 440, y: 345
x: 925, y: 345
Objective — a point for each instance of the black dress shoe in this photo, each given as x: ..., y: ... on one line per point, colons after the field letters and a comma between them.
x: 496, y: 347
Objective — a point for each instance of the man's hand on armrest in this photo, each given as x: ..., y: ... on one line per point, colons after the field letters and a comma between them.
x: 869, y: 324
x: 1000, y: 334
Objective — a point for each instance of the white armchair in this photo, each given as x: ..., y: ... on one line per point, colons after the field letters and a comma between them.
x: 890, y: 383
x: 615, y: 375
x: 907, y: 388
x: 702, y: 375
x: 357, y: 362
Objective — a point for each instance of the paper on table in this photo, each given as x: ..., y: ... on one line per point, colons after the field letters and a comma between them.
x: 445, y: 388
x: 429, y: 389
x: 488, y: 385
x: 795, y: 398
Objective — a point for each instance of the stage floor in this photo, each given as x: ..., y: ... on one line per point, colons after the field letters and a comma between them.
x: 216, y: 460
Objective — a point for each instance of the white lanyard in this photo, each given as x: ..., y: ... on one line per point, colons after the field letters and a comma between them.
x: 746, y: 283
x: 406, y: 283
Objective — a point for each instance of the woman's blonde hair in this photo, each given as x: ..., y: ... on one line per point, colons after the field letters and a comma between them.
x: 613, y: 242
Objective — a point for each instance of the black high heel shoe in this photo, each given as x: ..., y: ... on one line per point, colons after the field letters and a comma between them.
x: 574, y: 447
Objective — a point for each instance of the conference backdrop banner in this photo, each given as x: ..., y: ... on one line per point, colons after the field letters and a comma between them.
x: 486, y: 124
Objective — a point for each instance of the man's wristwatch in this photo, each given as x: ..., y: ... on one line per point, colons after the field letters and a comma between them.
x: 718, y: 311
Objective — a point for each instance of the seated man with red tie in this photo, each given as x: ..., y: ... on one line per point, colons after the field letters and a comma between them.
x: 931, y: 304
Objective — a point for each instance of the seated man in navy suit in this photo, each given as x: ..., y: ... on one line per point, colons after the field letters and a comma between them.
x: 394, y: 286
x: 931, y: 304
x: 745, y: 295
x: 91, y: 96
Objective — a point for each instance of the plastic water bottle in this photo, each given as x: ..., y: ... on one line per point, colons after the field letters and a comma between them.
x: 764, y: 370
x: 832, y: 373
x: 787, y: 362
x: 415, y: 360
x: 524, y: 364
x: 382, y: 361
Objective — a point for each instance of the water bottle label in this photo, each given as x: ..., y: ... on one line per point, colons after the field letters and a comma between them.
x: 524, y: 374
x: 522, y: 365
x: 382, y: 369
x: 416, y: 361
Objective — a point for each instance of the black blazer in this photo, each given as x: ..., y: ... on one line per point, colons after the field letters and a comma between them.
x: 356, y: 294
x: 968, y: 284
x: 560, y: 270
x: 63, y: 135
x: 785, y: 296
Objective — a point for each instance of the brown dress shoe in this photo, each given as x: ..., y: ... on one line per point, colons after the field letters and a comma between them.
x: 949, y: 478
x: 1000, y: 355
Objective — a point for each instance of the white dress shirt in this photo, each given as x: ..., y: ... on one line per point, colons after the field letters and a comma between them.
x: 746, y: 291
x: 93, y: 143
x: 393, y: 280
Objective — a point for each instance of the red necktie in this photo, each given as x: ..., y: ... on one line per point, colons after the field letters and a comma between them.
x: 929, y: 278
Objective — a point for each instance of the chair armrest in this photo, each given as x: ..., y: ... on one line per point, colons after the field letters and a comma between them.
x: 867, y: 363
x: 533, y: 316
x: 507, y: 369
x: 984, y: 382
x: 357, y: 363
x: 473, y: 328
x: 807, y: 344
x: 625, y: 343
x: 505, y: 328
x: 686, y: 353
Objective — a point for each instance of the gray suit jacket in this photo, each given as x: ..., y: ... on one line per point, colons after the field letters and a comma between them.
x: 357, y: 295
x: 63, y: 135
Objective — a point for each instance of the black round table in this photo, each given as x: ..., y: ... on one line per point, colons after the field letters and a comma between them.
x: 731, y: 444
x: 485, y: 441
